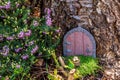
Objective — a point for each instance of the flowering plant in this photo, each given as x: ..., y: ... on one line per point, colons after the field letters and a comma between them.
x: 22, y: 38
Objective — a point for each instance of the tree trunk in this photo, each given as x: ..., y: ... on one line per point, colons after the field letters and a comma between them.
x: 100, y: 17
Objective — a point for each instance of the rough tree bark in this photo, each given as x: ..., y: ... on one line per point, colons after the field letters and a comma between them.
x: 101, y: 18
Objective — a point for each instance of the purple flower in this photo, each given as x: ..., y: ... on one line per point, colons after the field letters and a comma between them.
x: 21, y: 35
x: 48, y: 11
x: 7, y: 6
x: 48, y: 22
x: 24, y: 57
x: 1, y: 7
x: 17, y: 66
x: 35, y: 23
x: 3, y: 17
x: 5, y: 50
x: 48, y: 19
x: 18, y: 50
x: 1, y: 37
x: 10, y: 38
x: 34, y: 50
x: 44, y: 32
x: 31, y: 43
x: 4, y: 53
x: 0, y: 51
x: 28, y: 33
x: 57, y: 30
x: 17, y: 4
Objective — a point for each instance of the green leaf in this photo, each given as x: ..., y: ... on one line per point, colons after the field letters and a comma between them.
x: 55, y: 71
x: 70, y: 64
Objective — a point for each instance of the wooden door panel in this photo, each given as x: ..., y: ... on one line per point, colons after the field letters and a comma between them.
x: 70, y: 45
x: 78, y: 49
x: 87, y: 46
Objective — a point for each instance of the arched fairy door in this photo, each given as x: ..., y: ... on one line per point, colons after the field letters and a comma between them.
x: 79, y: 41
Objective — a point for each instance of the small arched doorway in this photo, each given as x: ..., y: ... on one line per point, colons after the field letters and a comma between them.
x: 79, y: 41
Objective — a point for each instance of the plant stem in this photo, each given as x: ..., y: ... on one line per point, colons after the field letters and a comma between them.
x: 55, y: 59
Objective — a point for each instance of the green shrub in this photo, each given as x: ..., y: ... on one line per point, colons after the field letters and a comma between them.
x: 22, y: 37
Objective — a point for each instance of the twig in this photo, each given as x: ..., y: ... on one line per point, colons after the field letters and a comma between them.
x: 71, y: 74
x: 61, y: 61
x: 63, y: 71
